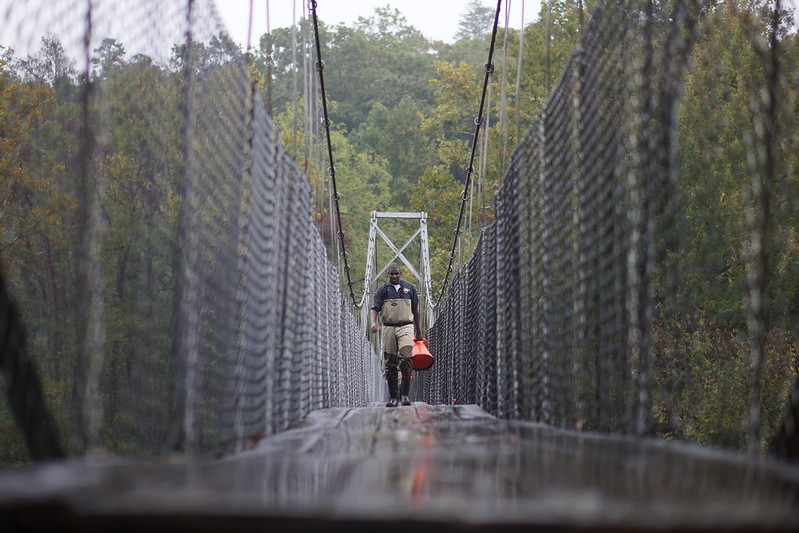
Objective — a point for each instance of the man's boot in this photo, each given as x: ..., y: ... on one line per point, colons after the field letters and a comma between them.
x: 393, y: 392
x: 406, y: 388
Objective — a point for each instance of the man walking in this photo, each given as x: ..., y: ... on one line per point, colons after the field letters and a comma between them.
x: 398, y: 304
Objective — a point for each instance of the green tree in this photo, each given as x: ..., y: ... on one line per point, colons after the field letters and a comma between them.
x: 704, y: 377
x: 36, y: 160
x: 439, y: 189
x: 439, y: 194
x: 381, y: 59
x: 109, y: 56
x: 141, y: 170
x: 397, y: 135
x: 364, y: 184
x: 476, y: 23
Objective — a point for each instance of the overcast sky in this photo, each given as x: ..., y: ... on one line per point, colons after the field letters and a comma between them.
x: 436, y: 19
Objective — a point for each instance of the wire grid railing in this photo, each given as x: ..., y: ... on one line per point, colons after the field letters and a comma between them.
x: 610, y: 293
x: 158, y: 238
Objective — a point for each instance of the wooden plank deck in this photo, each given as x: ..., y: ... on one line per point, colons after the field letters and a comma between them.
x: 418, y: 468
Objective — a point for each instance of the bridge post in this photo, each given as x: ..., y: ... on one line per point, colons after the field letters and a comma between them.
x: 419, y: 271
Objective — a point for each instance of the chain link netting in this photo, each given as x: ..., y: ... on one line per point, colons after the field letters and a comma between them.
x: 610, y: 293
x: 158, y: 238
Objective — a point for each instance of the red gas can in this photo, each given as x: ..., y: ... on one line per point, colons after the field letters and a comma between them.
x: 421, y: 356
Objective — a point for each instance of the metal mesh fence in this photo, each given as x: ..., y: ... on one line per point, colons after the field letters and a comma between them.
x: 157, y: 237
x: 621, y: 288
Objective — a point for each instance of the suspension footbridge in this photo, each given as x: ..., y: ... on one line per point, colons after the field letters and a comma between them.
x: 183, y: 348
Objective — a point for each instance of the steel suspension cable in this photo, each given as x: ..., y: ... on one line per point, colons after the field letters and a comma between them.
x: 519, y: 74
x: 269, y: 60
x: 242, y: 295
x: 503, y: 98
x: 481, y: 178
x: 326, y: 121
x: 91, y: 332
x: 549, y: 48
x: 295, y: 110
x: 307, y: 95
x: 489, y: 69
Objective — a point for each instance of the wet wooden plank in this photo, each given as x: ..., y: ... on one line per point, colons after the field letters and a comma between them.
x: 442, y: 468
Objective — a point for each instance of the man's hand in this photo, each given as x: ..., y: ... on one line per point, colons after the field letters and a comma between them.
x: 373, y: 328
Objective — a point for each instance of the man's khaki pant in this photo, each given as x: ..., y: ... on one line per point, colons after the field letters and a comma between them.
x: 398, y: 348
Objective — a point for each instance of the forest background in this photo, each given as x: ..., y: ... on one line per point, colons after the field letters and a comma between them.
x: 402, y: 110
